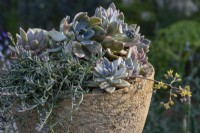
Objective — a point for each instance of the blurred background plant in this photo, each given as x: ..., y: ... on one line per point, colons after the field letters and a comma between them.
x: 172, y: 25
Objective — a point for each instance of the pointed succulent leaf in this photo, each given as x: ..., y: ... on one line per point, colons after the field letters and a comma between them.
x: 132, y: 26
x: 133, y: 43
x: 123, y: 84
x: 64, y: 24
x: 80, y: 16
x: 114, y: 16
x: 13, y: 49
x: 117, y: 62
x: 117, y: 46
x: 121, y: 73
x: 104, y: 85
x: 89, y: 34
x: 99, y: 80
x: 70, y: 35
x: 19, y: 39
x: 87, y: 42
x: 110, y: 89
x: 98, y: 13
x: 111, y: 55
x: 98, y: 31
x: 137, y: 30
x: 95, y: 21
x: 108, y: 42
x: 57, y: 36
x: 34, y: 44
x: 30, y: 35
x: 38, y: 30
x: 40, y: 36
x: 93, y: 47
x: 121, y: 16
x: 106, y: 62
x: 146, y: 41
x: 107, y: 73
x: 54, y: 50
x: 112, y: 67
x: 82, y: 24
x: 23, y: 35
x: 129, y: 63
x: 116, y: 81
x: 105, y: 24
x: 77, y: 49
x: 95, y: 73
x: 99, y: 70
x: 112, y: 6
x: 112, y: 28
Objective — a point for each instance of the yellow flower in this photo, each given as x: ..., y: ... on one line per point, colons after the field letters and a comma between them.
x: 189, y: 94
x: 166, y: 106
x: 170, y: 72
x: 185, y: 92
x: 171, y: 102
x: 175, y: 95
x: 179, y: 79
x: 177, y: 75
x: 157, y: 86
x: 161, y: 84
x: 187, y: 87
x: 165, y: 86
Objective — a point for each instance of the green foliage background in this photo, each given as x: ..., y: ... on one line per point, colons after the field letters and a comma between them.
x: 175, y: 45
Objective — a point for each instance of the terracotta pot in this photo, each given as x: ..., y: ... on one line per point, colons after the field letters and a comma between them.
x: 123, y: 111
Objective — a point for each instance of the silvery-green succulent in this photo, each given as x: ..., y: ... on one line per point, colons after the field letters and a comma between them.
x: 135, y: 38
x: 86, y: 32
x: 35, y: 40
x: 132, y: 65
x: 140, y: 55
x: 65, y: 25
x: 111, y: 23
x: 110, y: 75
x: 111, y: 18
x: 129, y: 36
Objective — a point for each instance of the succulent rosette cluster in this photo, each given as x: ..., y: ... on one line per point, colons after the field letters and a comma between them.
x: 88, y: 54
x: 121, y: 46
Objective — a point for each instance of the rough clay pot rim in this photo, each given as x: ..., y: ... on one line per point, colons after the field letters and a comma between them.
x: 150, y: 74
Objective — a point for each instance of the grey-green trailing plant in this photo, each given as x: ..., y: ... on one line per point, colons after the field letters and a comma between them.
x: 97, y: 54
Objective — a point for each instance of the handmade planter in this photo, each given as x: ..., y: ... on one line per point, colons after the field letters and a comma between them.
x: 123, y: 111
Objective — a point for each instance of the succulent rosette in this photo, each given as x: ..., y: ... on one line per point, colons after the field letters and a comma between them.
x: 85, y: 33
x: 34, y: 40
x: 110, y: 75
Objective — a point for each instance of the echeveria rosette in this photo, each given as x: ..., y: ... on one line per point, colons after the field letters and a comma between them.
x: 110, y: 75
x: 134, y: 38
x: 128, y: 37
x: 110, y: 17
x: 34, y: 40
x: 111, y: 23
x: 86, y: 33
x: 133, y: 67
x: 140, y: 55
